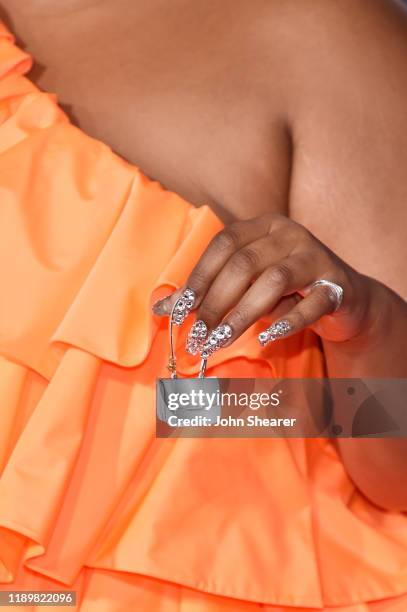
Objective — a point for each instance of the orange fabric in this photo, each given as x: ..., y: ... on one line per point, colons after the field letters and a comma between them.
x: 89, y: 499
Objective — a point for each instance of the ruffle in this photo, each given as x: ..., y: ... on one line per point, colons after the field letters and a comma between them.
x: 12, y: 59
x: 88, y: 496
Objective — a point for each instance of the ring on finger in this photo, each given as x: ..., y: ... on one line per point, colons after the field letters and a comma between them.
x: 336, y: 290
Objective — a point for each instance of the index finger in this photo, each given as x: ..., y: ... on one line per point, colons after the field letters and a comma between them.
x: 219, y: 251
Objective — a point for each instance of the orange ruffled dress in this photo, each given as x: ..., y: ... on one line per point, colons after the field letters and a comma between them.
x: 89, y: 499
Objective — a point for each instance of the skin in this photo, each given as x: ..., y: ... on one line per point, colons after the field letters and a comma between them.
x: 262, y: 108
x: 260, y: 266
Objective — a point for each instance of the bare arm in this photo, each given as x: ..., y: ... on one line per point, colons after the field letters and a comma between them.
x: 377, y: 466
x: 349, y: 187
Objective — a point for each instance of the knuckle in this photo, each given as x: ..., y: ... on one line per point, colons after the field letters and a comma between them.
x: 279, y: 275
x: 304, y: 233
x: 300, y: 320
x: 278, y: 221
x: 245, y: 260
x: 304, y: 241
x: 226, y: 240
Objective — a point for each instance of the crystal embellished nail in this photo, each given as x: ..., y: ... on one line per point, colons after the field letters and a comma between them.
x: 196, y: 337
x: 275, y: 331
x: 216, y: 339
x: 183, y: 306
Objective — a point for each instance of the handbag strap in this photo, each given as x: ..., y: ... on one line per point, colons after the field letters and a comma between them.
x: 172, y: 360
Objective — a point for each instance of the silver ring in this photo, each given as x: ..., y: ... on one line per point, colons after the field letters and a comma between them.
x: 337, y: 290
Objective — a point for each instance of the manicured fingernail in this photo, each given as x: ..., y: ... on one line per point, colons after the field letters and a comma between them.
x: 275, y: 331
x: 196, y: 337
x: 216, y: 339
x: 162, y: 307
x: 183, y: 306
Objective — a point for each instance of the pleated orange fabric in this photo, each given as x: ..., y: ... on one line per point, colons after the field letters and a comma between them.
x: 89, y: 498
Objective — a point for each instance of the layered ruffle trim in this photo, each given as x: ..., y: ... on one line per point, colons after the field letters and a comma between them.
x: 87, y: 244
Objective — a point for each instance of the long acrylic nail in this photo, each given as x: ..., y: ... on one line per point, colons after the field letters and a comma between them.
x: 275, y: 331
x: 196, y: 337
x: 183, y: 306
x: 216, y: 339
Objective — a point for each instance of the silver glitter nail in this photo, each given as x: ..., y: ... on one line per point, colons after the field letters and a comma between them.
x: 275, y: 331
x: 183, y: 306
x: 216, y: 339
x: 196, y: 337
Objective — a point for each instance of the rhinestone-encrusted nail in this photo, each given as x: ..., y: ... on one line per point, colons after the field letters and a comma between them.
x: 196, y: 337
x: 216, y: 339
x: 183, y: 306
x: 275, y: 331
